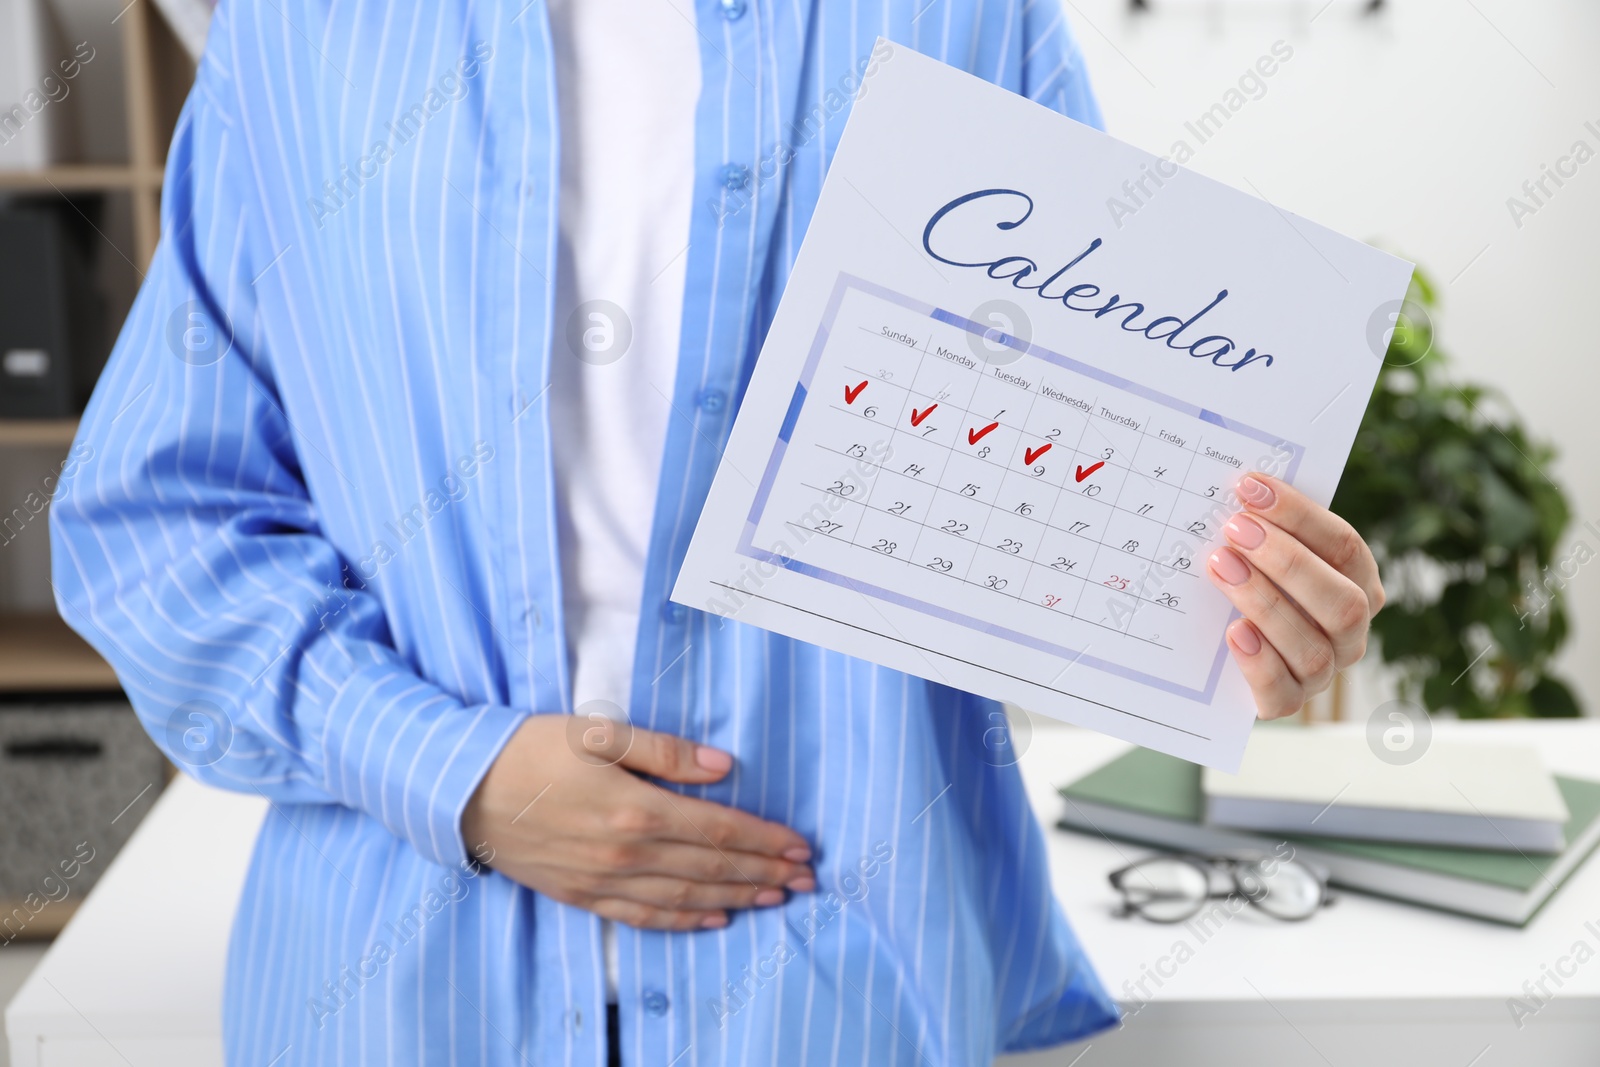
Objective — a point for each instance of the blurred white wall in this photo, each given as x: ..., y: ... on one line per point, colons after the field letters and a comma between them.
x: 102, y: 129
x: 1411, y: 129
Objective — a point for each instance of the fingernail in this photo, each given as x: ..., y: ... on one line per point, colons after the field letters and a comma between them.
x: 768, y: 897
x: 1245, y: 638
x: 1245, y: 532
x: 1256, y: 493
x: 797, y: 855
x: 802, y: 884
x: 1230, y: 567
x: 714, y: 922
x: 712, y: 759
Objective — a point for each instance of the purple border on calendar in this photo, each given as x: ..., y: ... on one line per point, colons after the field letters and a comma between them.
x: 844, y: 284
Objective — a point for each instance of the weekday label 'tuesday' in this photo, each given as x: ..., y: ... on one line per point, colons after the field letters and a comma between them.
x: 996, y: 426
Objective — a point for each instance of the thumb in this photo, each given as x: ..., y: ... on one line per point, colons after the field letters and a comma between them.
x: 676, y: 759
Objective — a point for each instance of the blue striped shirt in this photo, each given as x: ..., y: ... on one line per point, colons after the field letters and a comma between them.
x: 311, y: 523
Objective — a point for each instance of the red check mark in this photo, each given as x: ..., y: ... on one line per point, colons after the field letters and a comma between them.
x: 918, y: 416
x: 1031, y: 454
x: 1082, y: 474
x: 974, y: 436
x: 851, y: 394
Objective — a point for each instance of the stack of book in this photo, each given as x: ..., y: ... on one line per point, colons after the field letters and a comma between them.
x: 1483, y: 830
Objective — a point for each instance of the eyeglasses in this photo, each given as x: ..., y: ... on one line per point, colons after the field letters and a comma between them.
x: 1172, y: 888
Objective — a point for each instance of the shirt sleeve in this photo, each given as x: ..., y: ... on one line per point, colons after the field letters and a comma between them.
x: 187, y: 550
x: 1053, y: 72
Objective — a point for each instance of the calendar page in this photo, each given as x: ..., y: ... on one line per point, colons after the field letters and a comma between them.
x: 996, y: 427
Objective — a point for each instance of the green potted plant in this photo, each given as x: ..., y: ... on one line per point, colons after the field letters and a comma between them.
x: 1460, y: 510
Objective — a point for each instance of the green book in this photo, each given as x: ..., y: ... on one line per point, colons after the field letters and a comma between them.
x: 1155, y: 799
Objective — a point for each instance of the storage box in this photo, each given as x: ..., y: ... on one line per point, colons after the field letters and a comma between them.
x: 50, y: 313
x: 75, y: 779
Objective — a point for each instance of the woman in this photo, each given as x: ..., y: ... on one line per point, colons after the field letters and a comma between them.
x: 400, y: 450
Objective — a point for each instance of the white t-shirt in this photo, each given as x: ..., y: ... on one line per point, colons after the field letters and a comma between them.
x: 627, y: 82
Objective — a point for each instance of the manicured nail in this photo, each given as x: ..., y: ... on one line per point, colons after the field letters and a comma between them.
x: 1245, y: 532
x: 1230, y: 566
x: 768, y: 897
x: 1256, y: 493
x: 797, y: 855
x: 712, y: 759
x: 1245, y: 638
x: 802, y: 884
x: 714, y: 922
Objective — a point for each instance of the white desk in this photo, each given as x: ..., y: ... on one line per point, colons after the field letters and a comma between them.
x: 136, y: 977
x: 1366, y: 983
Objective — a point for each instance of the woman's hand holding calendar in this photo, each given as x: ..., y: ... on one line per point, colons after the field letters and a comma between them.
x: 1307, y: 586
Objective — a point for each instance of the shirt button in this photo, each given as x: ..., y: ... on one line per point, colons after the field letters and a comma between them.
x: 672, y: 612
x: 712, y: 400
x: 735, y: 176
x: 732, y: 9
x: 655, y: 1003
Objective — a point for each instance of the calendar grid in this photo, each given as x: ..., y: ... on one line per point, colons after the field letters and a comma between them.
x: 1098, y: 544
x: 1028, y: 518
x: 895, y: 427
x: 1192, y: 453
x: 1003, y: 498
x: 979, y: 585
x: 1142, y: 600
x: 981, y: 540
x: 983, y: 537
